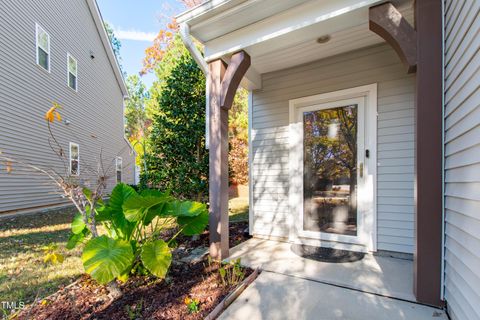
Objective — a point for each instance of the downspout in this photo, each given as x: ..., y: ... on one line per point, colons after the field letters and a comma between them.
x: 198, y: 57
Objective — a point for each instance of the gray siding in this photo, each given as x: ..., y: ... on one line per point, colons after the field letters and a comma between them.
x: 27, y: 92
x: 378, y: 64
x: 462, y: 159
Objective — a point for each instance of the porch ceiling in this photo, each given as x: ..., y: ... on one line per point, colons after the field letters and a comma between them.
x: 279, y: 34
x: 342, y: 41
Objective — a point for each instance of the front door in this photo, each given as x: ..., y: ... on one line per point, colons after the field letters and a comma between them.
x: 332, y: 159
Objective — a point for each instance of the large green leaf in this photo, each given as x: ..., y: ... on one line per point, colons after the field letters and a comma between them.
x: 114, y: 210
x: 78, y: 224
x: 154, y: 193
x: 187, y: 208
x: 123, y: 227
x: 103, y: 213
x: 157, y: 210
x: 119, y: 195
x: 136, y: 207
x: 75, y: 239
x: 156, y: 257
x: 153, y: 212
x: 104, y: 258
x: 118, y: 226
x: 194, y: 225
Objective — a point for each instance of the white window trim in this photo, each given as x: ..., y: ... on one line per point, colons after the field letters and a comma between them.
x: 37, y: 26
x: 116, y: 169
x: 70, y: 158
x: 68, y: 72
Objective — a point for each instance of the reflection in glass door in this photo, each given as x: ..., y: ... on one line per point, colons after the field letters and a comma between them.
x: 330, y: 170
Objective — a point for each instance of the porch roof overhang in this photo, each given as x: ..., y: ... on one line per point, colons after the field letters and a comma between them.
x: 279, y: 34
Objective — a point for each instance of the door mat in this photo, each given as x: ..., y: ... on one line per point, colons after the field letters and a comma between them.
x: 326, y: 254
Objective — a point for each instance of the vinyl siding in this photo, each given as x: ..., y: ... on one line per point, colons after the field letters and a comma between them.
x: 378, y: 64
x: 462, y: 159
x: 27, y: 91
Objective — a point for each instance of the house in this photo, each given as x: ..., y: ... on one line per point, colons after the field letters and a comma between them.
x: 58, y: 51
x: 364, y: 130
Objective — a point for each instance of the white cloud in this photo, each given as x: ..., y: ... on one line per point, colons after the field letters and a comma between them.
x: 134, y: 35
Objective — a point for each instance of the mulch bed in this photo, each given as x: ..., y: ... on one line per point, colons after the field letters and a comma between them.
x: 146, y: 297
x: 238, y: 234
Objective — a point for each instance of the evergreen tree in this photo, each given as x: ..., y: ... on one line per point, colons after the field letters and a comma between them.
x: 178, y: 160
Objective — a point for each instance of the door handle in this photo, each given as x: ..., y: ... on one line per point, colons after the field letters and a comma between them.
x: 361, y: 169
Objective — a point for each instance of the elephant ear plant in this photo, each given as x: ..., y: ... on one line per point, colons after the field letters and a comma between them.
x: 133, y: 222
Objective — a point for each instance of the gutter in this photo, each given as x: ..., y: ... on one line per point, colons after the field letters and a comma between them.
x: 198, y: 57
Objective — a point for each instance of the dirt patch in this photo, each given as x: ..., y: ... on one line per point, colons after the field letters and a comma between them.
x: 146, y: 297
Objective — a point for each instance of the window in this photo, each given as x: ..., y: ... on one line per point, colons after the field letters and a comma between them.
x: 43, y: 48
x: 118, y: 169
x: 72, y: 72
x: 74, y: 159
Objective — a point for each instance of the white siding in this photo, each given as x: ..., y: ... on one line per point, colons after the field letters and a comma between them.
x: 378, y: 64
x: 462, y: 159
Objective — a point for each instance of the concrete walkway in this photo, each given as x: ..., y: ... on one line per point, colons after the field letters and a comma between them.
x: 291, y: 287
x: 385, y: 276
x: 276, y: 296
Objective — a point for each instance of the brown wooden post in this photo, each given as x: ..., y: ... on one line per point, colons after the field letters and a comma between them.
x: 420, y: 49
x: 224, y: 82
x: 218, y: 172
x: 428, y: 168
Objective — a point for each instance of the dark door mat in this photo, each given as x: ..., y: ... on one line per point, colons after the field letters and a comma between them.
x: 326, y: 254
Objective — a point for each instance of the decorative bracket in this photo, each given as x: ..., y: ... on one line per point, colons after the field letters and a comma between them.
x: 386, y: 21
x: 238, y: 66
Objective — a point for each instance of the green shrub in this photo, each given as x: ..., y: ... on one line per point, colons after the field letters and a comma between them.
x: 231, y: 273
x: 133, y: 222
x: 177, y: 159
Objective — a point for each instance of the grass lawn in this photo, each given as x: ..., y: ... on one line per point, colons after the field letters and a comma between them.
x: 238, y: 209
x: 23, y: 274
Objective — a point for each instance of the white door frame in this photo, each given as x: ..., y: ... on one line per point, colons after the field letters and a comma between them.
x: 367, y: 223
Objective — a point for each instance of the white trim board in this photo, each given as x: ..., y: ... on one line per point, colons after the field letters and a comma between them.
x: 251, y: 213
x: 369, y: 95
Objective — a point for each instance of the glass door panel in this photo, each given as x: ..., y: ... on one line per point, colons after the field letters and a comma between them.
x: 330, y: 170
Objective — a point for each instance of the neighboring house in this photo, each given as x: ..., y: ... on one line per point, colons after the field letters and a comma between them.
x: 364, y: 129
x: 58, y: 51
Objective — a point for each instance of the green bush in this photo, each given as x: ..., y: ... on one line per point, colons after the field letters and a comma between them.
x: 177, y: 159
x: 134, y: 222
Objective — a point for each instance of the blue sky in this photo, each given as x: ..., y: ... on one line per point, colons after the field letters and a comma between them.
x: 136, y: 23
